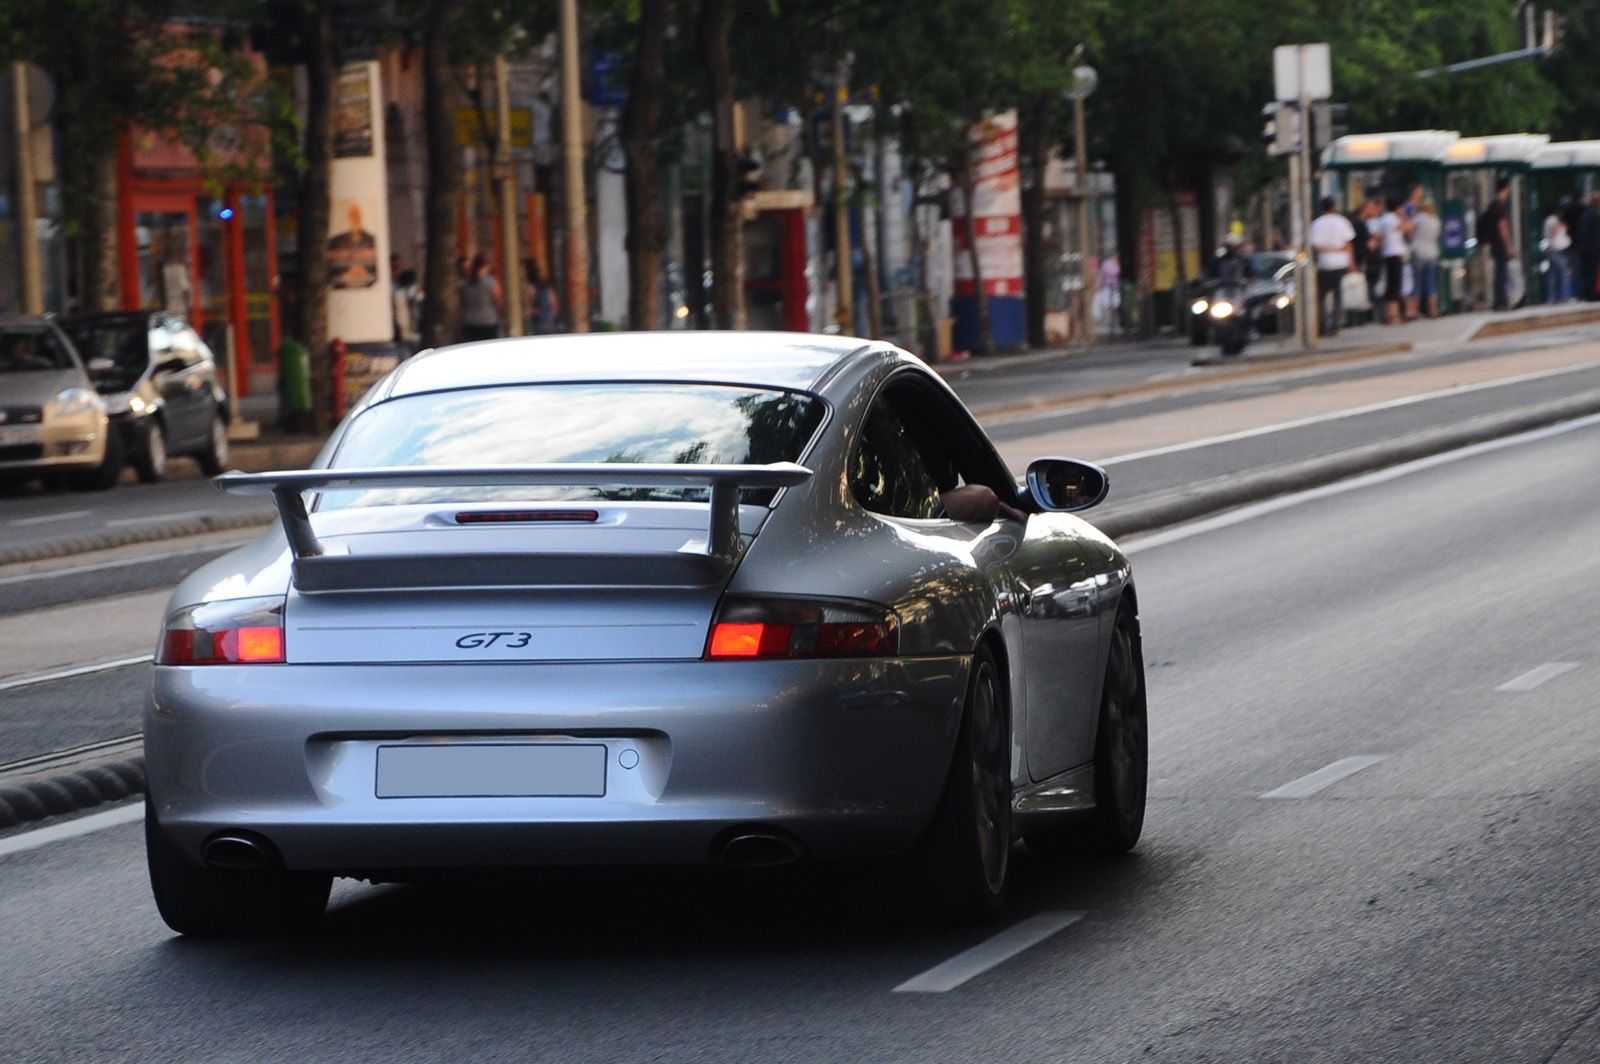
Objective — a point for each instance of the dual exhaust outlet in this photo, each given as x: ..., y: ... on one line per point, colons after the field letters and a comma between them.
x: 743, y: 848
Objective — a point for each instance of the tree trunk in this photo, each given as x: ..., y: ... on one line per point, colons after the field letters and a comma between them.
x: 322, y: 68
x: 441, y: 298
x: 869, y: 263
x: 922, y: 240
x: 101, y: 273
x: 969, y: 183
x: 647, y: 233
x: 712, y: 32
x: 1034, y: 142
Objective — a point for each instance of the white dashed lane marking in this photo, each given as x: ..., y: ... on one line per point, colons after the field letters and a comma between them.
x: 1533, y: 678
x: 1324, y: 777
x: 985, y: 955
x: 45, y: 519
x: 71, y: 829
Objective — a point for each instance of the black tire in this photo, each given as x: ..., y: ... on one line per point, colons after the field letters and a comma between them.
x: 1197, y: 335
x: 961, y: 866
x: 222, y: 903
x: 214, y: 459
x: 1122, y: 744
x: 151, y: 460
x: 106, y: 474
x: 1121, y: 759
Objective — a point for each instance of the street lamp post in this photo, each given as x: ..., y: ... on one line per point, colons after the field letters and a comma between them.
x: 1085, y: 79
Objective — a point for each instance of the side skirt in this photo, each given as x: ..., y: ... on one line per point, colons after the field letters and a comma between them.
x: 1050, y: 802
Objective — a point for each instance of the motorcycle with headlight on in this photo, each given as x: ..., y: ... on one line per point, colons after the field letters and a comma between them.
x: 1230, y: 322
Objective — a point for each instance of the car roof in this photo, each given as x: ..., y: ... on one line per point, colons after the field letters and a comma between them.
x: 788, y: 360
x: 115, y: 317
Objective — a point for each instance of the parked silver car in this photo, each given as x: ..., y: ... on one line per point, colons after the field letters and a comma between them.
x: 52, y: 423
x: 643, y: 598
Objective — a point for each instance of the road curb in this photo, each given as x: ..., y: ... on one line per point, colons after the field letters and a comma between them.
x: 84, y: 788
x: 1554, y: 319
x: 1212, y: 496
x: 155, y: 530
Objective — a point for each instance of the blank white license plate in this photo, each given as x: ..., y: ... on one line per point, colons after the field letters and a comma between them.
x: 493, y: 770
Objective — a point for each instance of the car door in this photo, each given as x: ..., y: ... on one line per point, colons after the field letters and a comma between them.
x: 1050, y: 572
x: 183, y: 387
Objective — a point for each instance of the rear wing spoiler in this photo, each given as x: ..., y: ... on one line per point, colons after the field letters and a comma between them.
x: 287, y: 489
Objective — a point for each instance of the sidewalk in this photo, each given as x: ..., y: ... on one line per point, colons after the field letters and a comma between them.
x: 1063, y: 377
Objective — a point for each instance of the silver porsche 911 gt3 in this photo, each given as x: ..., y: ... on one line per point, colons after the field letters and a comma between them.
x: 645, y: 598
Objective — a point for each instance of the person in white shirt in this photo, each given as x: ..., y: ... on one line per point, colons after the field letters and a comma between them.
x: 1332, y: 237
x: 1394, y: 229
x: 1557, y: 243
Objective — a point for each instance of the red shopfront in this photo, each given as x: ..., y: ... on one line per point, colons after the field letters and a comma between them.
x: 202, y: 249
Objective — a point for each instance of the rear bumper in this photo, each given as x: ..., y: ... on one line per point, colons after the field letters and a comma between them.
x: 846, y: 757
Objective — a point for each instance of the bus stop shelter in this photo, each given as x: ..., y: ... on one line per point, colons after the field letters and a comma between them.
x: 1472, y: 166
x: 1571, y: 167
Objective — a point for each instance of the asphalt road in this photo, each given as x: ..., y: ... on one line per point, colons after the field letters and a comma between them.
x: 1435, y: 903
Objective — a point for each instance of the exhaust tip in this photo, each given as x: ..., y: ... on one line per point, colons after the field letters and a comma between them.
x: 759, y: 848
x: 237, y: 852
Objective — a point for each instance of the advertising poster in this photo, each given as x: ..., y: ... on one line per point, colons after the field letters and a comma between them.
x: 997, y: 211
x: 359, y: 310
x: 1159, y: 243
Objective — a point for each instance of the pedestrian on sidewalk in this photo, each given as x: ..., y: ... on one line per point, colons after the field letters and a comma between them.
x: 1555, y: 243
x: 1365, y: 248
x: 406, y: 303
x: 1425, y: 259
x: 1589, y: 250
x: 1394, y: 232
x: 1333, y: 239
x: 481, y: 301
x: 1494, y: 233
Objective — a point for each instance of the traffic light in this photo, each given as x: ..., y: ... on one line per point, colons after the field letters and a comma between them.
x: 1329, y: 122
x: 749, y: 177
x: 1281, y: 133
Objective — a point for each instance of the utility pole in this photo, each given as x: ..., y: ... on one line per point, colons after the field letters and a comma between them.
x: 510, y: 251
x: 1085, y: 249
x: 572, y: 151
x: 841, y: 212
x: 27, y: 208
x: 1310, y: 301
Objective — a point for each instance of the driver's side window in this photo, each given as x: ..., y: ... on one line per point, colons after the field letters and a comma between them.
x: 888, y: 475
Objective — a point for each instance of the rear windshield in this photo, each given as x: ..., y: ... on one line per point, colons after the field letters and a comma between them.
x: 695, y: 424
x: 25, y: 350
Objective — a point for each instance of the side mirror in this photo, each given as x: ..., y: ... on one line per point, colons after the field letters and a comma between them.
x: 1066, y: 484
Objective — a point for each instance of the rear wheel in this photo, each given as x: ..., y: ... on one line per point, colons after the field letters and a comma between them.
x: 962, y: 864
x: 214, y: 459
x: 151, y: 461
x: 224, y: 903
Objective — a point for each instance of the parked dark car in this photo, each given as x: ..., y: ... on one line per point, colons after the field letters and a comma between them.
x: 159, y: 381
x: 1269, y: 290
x: 52, y: 423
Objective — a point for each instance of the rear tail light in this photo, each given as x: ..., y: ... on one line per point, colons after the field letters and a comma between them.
x: 232, y: 632
x: 802, y: 628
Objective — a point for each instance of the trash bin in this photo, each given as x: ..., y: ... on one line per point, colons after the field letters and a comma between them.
x: 294, y: 373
